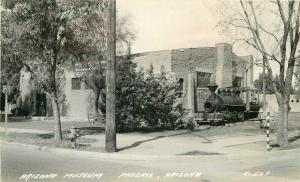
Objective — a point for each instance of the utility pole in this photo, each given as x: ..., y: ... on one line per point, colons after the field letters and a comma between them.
x: 247, y: 91
x: 110, y: 132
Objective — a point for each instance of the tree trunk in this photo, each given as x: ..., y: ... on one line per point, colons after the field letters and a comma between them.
x: 96, y: 101
x: 282, y: 130
x: 56, y: 116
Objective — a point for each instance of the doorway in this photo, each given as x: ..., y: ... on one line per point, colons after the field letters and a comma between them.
x: 41, y: 104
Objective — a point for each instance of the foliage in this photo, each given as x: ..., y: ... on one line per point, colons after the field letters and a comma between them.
x: 271, y: 28
x: 145, y: 101
x: 89, y: 37
x: 2, y: 102
x: 25, y: 107
x: 269, y: 81
x: 11, y: 62
x: 125, y: 35
x: 42, y: 29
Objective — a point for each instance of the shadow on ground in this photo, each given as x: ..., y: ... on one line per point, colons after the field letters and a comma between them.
x: 295, y: 137
x: 15, y: 119
x: 138, y: 143
x: 91, y: 130
x: 197, y: 152
x: 293, y: 142
x: 46, y: 135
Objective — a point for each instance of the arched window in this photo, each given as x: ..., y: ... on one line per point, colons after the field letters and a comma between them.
x: 181, y: 80
x: 297, y: 100
x: 292, y: 101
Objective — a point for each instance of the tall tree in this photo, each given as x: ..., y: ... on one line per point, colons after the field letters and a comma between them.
x: 92, y: 50
x: 11, y: 61
x: 272, y: 29
x: 42, y: 30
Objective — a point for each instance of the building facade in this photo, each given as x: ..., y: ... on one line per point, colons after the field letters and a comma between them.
x: 196, y: 68
x: 193, y: 68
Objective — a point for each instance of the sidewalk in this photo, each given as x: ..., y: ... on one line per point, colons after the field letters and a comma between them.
x: 169, y: 143
x: 240, y: 140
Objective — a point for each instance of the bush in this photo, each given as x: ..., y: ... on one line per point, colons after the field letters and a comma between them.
x: 25, y: 108
x: 145, y: 101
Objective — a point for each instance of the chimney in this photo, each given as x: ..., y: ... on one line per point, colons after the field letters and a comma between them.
x: 224, y: 65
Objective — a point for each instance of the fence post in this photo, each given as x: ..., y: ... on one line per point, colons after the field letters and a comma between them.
x: 261, y: 118
x: 268, y: 131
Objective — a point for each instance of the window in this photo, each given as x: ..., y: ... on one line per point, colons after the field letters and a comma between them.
x: 237, y: 81
x: 203, y: 79
x: 85, y: 84
x: 76, y: 84
x: 181, y: 84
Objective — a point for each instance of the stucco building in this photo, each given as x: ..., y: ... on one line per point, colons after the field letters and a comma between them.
x: 193, y: 68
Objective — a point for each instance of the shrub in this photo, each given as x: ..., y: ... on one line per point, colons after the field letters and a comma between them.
x: 145, y: 101
x: 25, y: 108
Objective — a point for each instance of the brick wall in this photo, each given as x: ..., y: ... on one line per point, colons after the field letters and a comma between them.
x: 185, y: 61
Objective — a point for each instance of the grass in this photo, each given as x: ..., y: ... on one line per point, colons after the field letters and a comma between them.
x: 48, y: 140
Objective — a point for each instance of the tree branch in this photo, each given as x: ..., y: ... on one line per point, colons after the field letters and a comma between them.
x: 281, y: 12
x: 269, y: 33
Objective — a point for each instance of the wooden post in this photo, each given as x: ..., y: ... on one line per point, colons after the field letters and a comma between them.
x: 190, y: 93
x: 6, y: 111
x: 110, y: 132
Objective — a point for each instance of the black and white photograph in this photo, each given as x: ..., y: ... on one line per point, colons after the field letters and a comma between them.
x: 150, y: 90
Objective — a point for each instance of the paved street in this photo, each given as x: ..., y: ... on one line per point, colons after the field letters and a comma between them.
x: 18, y: 160
x: 235, y: 153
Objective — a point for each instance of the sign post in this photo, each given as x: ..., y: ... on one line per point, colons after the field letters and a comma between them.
x: 6, y: 91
